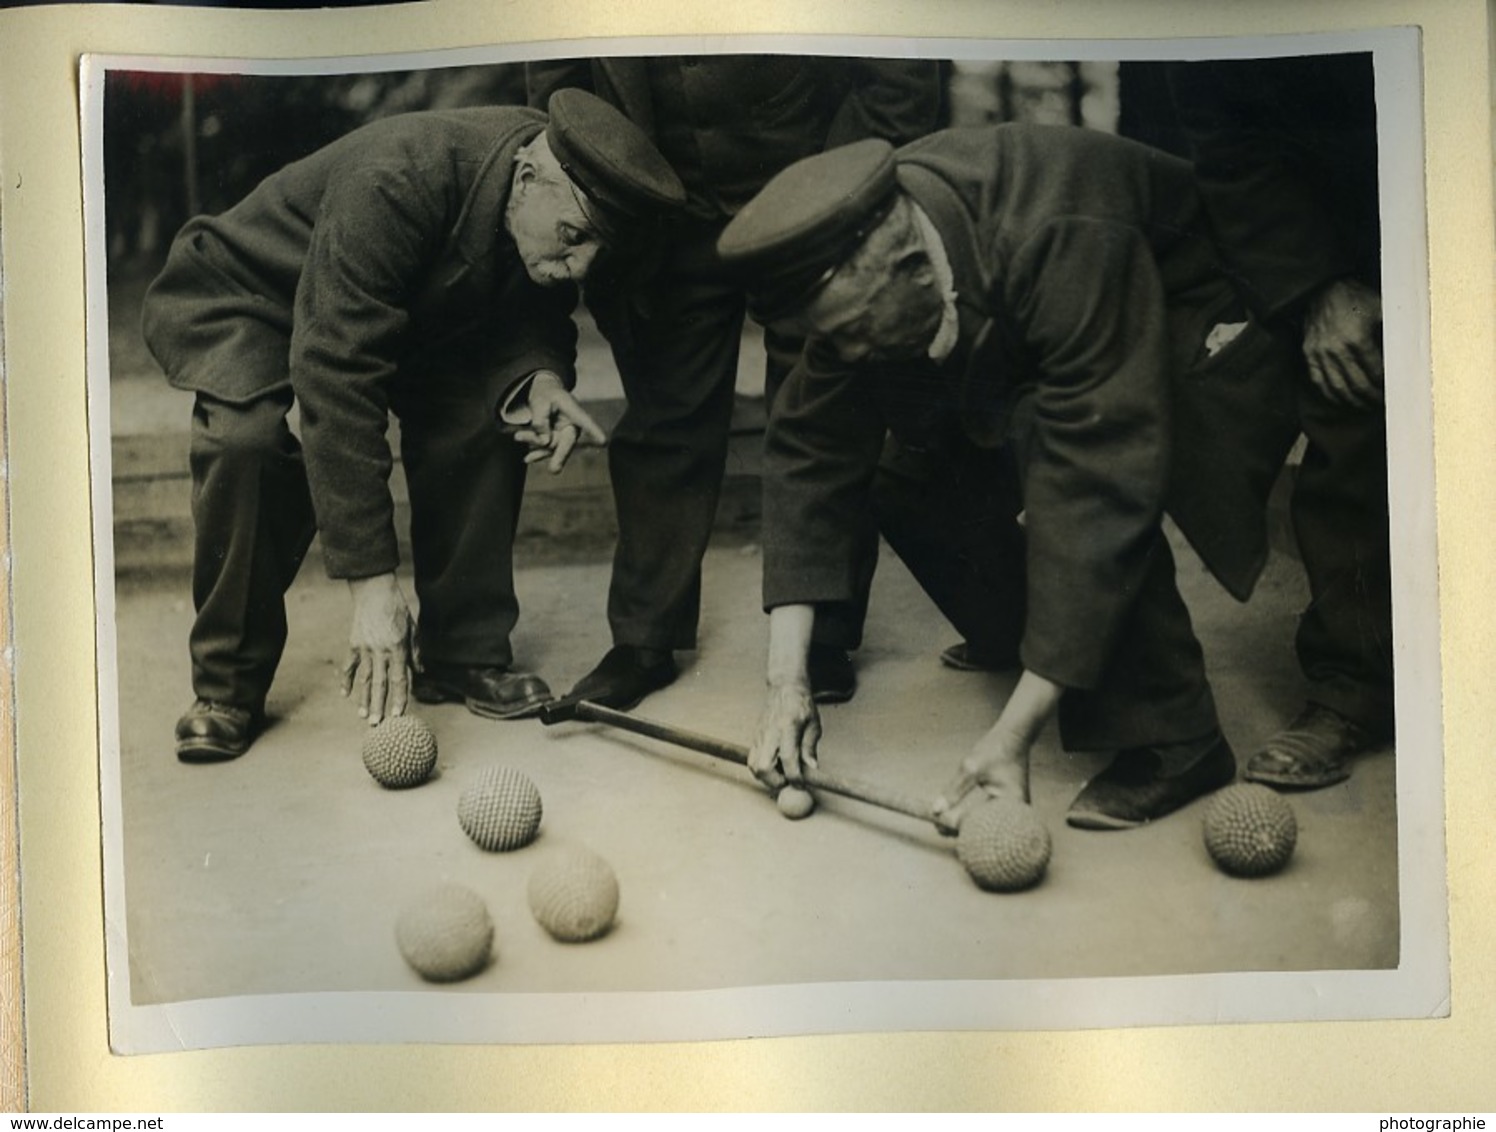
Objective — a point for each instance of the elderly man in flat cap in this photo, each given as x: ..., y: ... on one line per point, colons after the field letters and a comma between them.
x: 1037, y: 317
x: 422, y: 265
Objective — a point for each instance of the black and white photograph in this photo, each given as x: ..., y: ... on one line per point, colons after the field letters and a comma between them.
x: 767, y: 536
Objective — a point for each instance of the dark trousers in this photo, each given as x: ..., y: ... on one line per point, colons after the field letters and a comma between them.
x: 1339, y: 508
x: 952, y: 516
x: 675, y: 341
x: 253, y: 516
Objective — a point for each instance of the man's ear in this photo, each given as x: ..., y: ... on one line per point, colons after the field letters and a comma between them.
x: 525, y: 169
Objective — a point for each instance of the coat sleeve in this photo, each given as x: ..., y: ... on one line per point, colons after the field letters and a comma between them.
x: 894, y: 99
x: 1091, y: 306
x: 821, y: 449
x: 376, y: 232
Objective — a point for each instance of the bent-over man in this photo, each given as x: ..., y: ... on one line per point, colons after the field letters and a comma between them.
x: 1037, y: 317
x: 421, y: 265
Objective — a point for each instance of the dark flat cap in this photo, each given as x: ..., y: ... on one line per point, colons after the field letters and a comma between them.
x: 611, y: 160
x: 805, y: 222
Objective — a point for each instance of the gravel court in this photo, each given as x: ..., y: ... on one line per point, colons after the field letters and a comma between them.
x: 285, y: 870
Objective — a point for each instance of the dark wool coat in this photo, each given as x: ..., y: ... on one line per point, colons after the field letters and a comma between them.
x: 367, y: 272
x: 1286, y: 159
x: 1087, y: 290
x: 732, y: 121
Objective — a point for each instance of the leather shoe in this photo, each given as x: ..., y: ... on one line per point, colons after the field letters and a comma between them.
x: 215, y: 733
x: 625, y: 676
x: 1134, y: 790
x: 1314, y: 751
x: 494, y: 693
x: 833, y: 678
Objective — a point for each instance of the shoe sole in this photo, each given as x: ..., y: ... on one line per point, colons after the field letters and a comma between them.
x: 1104, y: 822
x: 1294, y: 782
x: 832, y: 696
x: 959, y: 664
x: 198, y: 754
x: 523, y: 710
x: 1092, y: 819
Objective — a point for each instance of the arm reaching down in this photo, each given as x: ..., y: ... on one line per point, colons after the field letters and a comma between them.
x: 790, y: 727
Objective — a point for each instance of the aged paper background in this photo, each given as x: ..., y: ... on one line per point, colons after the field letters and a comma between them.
x: 1401, y: 1065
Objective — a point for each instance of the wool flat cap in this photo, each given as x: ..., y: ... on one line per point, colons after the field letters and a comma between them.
x: 611, y: 160
x: 789, y: 239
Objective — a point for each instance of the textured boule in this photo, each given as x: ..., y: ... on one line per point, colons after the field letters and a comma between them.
x: 574, y: 895
x: 400, y: 752
x: 446, y: 935
x: 501, y: 810
x: 1004, y: 846
x: 795, y: 803
x: 1250, y: 831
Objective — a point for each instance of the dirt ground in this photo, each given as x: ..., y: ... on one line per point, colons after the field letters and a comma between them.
x: 285, y: 870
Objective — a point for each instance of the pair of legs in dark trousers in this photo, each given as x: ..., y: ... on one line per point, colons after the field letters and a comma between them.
x: 675, y: 341
x: 1339, y: 508
x: 952, y: 515
x: 254, y: 522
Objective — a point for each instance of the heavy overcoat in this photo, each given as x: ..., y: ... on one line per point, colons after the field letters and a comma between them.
x: 1087, y: 290
x: 364, y: 273
x: 743, y: 118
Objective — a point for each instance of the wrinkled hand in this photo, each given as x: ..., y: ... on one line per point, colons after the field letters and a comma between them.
x: 997, y: 767
x: 1343, y: 344
x: 557, y: 424
x: 377, y: 671
x: 788, y: 731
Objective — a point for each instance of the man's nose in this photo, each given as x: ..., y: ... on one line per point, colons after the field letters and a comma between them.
x: 579, y: 262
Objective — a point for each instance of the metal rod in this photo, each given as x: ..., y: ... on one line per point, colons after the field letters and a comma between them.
x: 814, y: 777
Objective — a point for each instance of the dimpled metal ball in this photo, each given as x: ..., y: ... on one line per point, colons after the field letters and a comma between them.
x: 1250, y: 831
x: 501, y: 810
x: 1004, y: 846
x: 446, y: 935
x: 400, y: 752
x: 574, y: 895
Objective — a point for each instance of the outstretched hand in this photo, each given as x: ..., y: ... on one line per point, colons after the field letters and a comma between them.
x: 788, y: 731
x: 998, y: 765
x: 557, y: 424
x: 377, y: 671
x: 1343, y: 344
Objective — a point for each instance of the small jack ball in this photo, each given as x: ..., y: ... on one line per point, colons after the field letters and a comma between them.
x: 399, y: 752
x: 1250, y: 830
x: 501, y: 810
x: 446, y: 935
x: 795, y: 803
x: 573, y: 895
x: 1004, y: 846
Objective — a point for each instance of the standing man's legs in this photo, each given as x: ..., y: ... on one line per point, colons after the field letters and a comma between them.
x: 676, y: 346
x: 1344, y: 640
x: 252, y: 515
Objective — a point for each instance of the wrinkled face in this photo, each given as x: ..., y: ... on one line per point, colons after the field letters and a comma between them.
x: 885, y: 306
x: 557, y: 241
